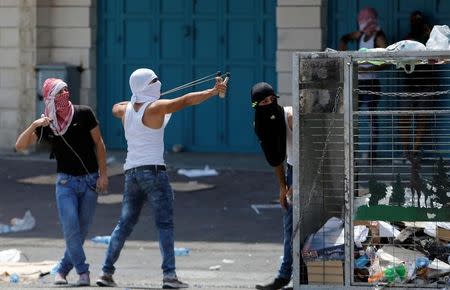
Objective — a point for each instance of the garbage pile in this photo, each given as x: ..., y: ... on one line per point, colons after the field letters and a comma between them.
x: 408, y: 253
x: 16, y: 268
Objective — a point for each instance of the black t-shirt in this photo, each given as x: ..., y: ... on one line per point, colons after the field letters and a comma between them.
x: 78, y: 136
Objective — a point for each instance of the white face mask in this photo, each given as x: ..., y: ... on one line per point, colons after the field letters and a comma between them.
x: 142, y: 88
x: 156, y: 88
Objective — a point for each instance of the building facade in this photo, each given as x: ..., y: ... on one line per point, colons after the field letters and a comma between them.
x: 181, y: 40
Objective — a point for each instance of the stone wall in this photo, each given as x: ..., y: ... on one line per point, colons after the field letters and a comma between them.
x: 34, y: 32
x: 300, y: 27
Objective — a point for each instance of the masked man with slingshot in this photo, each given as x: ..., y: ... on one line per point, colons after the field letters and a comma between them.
x: 144, y: 119
x: 76, y: 142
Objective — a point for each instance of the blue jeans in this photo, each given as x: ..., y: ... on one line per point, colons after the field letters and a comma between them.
x: 76, y: 200
x: 286, y: 265
x: 142, y: 185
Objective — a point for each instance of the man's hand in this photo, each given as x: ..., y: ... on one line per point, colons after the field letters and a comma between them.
x: 289, y: 195
x: 102, y: 184
x: 42, y: 122
x: 282, y: 198
x: 220, y: 88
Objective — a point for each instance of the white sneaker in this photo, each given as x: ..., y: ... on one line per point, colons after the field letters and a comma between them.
x: 60, y: 279
x: 84, y: 280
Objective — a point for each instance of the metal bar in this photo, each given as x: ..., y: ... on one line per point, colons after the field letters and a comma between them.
x: 296, y: 168
x: 348, y: 121
x: 437, y: 54
x: 421, y: 112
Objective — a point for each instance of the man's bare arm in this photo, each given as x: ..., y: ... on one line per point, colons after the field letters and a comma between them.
x: 118, y: 109
x: 28, y: 137
x: 162, y: 107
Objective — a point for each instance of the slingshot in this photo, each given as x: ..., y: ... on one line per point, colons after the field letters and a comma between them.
x: 199, y: 81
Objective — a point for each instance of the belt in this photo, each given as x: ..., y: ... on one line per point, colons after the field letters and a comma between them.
x: 154, y: 168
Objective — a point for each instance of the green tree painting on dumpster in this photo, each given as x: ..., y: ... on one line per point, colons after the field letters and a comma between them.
x: 418, y: 198
x: 377, y: 191
x: 440, y: 183
x: 398, y: 192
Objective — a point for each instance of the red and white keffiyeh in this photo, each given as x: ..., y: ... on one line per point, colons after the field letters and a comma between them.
x: 59, y: 109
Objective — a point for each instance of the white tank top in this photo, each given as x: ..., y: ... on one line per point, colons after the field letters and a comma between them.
x: 370, y: 43
x: 145, y: 145
x: 289, y: 152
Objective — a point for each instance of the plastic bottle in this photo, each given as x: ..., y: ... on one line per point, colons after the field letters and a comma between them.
x: 362, y: 261
x: 101, y: 239
x: 54, y: 269
x: 400, y: 270
x: 4, y: 229
x: 14, y: 278
x: 389, y: 274
x: 375, y: 277
x: 181, y: 251
x: 422, y: 262
x: 371, y: 252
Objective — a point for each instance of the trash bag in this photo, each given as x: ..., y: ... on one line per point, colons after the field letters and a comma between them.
x: 406, y: 45
x: 439, y: 38
x: 11, y: 255
x: 23, y: 224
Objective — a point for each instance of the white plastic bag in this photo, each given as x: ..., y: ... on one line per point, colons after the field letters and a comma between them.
x: 439, y: 38
x: 407, y: 64
x: 24, y: 224
x: 406, y: 45
x: 10, y: 256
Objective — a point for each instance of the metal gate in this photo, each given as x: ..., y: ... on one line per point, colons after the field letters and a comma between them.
x: 371, y: 190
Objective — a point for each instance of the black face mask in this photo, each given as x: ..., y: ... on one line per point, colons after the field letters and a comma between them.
x: 417, y: 27
x: 270, y: 127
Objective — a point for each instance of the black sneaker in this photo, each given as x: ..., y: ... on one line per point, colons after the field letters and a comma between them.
x: 106, y: 280
x: 278, y: 283
x: 173, y: 283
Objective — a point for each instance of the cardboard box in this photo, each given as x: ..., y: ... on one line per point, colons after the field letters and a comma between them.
x: 442, y: 234
x: 325, y: 272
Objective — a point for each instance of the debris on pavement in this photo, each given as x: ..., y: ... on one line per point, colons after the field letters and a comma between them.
x: 215, y: 268
x: 190, y: 186
x: 181, y: 251
x: 206, y: 171
x: 24, y: 271
x: 101, y: 239
x: 11, y: 255
x: 26, y: 223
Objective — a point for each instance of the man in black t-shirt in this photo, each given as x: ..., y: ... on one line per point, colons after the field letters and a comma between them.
x: 76, y: 142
